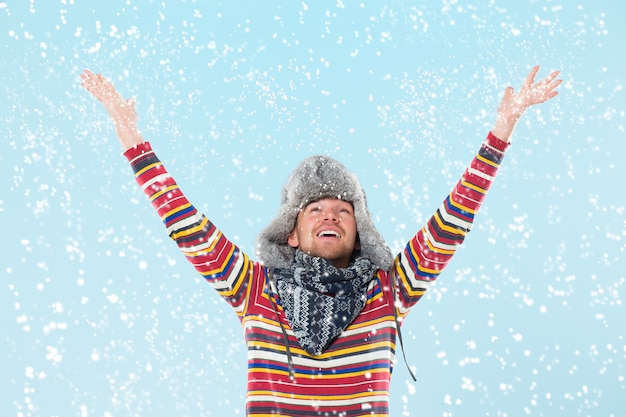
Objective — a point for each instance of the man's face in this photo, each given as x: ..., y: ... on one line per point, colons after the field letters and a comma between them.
x: 326, y: 229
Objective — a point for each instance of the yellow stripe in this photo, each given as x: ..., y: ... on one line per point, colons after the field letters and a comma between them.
x: 474, y: 187
x: 192, y: 230
x: 239, y: 279
x: 246, y: 305
x: 179, y: 208
x: 369, y: 323
x: 407, y: 286
x: 163, y: 191
x: 439, y: 250
x: 194, y: 254
x: 144, y: 169
x: 374, y: 298
x: 422, y: 268
x: 220, y: 268
x: 350, y: 327
x: 487, y: 161
x: 431, y: 247
x: 384, y: 371
x: 460, y: 206
x: 323, y: 398
x: 279, y: 347
x: 447, y: 228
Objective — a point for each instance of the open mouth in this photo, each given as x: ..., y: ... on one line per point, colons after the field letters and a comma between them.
x: 328, y: 233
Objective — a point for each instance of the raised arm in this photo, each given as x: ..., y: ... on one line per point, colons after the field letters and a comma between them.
x: 431, y: 249
x: 214, y: 257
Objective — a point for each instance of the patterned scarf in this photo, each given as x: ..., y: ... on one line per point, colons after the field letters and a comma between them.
x: 319, y: 300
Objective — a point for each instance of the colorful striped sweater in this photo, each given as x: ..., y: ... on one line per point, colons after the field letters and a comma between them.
x: 352, y: 377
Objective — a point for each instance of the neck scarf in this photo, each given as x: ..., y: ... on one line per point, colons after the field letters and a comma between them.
x: 319, y: 300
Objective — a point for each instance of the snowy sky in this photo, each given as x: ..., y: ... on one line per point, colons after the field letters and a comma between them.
x: 101, y: 316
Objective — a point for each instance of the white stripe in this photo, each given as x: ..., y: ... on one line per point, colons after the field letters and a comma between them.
x: 158, y: 178
x: 228, y: 283
x: 480, y: 174
x: 182, y: 223
x: 143, y: 153
x: 330, y: 385
x: 417, y: 284
x: 494, y: 148
x: 436, y: 244
x: 362, y: 359
x: 201, y: 247
x: 319, y: 401
x: 348, y: 332
x: 453, y: 220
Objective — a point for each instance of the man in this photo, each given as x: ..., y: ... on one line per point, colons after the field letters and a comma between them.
x: 322, y: 309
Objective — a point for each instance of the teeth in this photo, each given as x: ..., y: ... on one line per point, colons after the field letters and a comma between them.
x: 328, y: 233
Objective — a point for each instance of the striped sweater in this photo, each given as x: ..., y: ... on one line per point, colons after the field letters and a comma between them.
x: 352, y: 377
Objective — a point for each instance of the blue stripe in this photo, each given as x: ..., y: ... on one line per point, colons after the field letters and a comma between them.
x: 333, y: 371
x: 178, y: 214
x: 225, y: 271
x: 453, y: 209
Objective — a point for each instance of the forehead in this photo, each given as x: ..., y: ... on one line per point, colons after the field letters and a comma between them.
x: 329, y: 202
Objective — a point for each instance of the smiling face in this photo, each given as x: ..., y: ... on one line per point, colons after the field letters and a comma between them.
x: 327, y: 229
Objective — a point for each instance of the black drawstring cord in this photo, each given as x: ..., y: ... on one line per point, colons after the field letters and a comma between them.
x: 292, y: 373
x: 395, y: 316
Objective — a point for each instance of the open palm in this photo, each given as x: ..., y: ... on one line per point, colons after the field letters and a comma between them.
x: 121, y: 110
x: 514, y: 104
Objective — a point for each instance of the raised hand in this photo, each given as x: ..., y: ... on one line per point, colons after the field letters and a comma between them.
x: 122, y: 111
x: 513, y: 104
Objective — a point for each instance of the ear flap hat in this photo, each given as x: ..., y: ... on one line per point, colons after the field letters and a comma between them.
x: 318, y: 177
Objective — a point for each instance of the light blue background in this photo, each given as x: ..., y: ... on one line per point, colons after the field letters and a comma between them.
x: 101, y: 316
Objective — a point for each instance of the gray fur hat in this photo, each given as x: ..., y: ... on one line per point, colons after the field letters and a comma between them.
x: 318, y: 177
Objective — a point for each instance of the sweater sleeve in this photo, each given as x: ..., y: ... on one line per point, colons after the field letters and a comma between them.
x: 430, y: 250
x: 217, y: 259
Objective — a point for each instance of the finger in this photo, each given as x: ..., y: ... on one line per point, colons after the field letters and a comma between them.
x: 557, y: 83
x: 508, y: 93
x: 102, y: 80
x: 530, y: 78
x: 89, y: 75
x: 551, y: 88
x: 551, y: 77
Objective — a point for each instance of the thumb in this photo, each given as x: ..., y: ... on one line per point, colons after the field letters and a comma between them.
x: 509, y: 92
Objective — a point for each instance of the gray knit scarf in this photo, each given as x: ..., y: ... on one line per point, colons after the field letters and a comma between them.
x: 319, y: 300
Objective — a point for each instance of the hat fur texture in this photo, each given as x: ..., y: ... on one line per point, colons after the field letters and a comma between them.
x: 318, y: 177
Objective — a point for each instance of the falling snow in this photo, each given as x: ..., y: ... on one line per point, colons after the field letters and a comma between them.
x: 102, y: 316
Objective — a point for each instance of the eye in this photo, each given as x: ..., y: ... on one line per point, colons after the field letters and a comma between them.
x: 347, y: 209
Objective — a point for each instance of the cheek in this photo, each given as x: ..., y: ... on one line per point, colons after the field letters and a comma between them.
x: 353, y: 228
x: 305, y: 234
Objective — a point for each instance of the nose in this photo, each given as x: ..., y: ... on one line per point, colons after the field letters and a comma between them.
x: 330, y: 215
